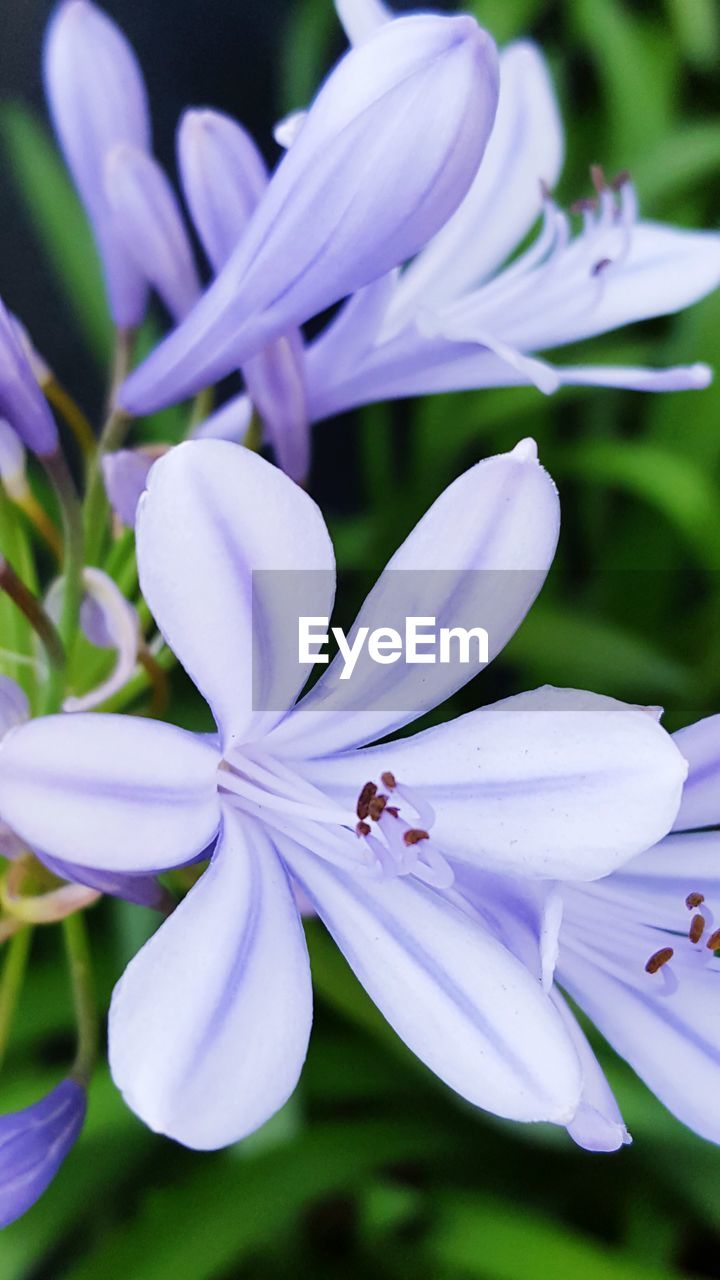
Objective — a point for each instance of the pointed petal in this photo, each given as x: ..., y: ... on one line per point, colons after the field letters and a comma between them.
x: 276, y: 383
x: 361, y: 17
x: 151, y: 226
x: 700, y: 745
x: 223, y: 176
x: 213, y: 518
x: 114, y: 793
x: 97, y: 99
x: 597, y: 1124
x: 462, y: 1003
x: 144, y: 891
x: 477, y: 558
x: 375, y: 171
x: 22, y: 402
x: 671, y: 1040
x: 555, y: 783
x: 33, y: 1144
x: 524, y: 153
x: 209, y: 1025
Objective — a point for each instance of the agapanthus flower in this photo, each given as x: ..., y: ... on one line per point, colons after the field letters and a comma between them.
x: 209, y: 1025
x: 386, y: 153
x: 97, y: 100
x: 467, y: 314
x: 33, y: 1145
x: 22, y: 403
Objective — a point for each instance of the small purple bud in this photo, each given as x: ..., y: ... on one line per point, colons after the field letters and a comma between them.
x: 223, y: 176
x: 22, y: 402
x: 97, y: 100
x: 151, y: 225
x: 125, y: 474
x: 33, y: 1145
x: 388, y: 150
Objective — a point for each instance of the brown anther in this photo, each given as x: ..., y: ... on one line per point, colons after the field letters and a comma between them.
x: 697, y: 928
x: 601, y: 266
x: 713, y: 942
x: 415, y: 835
x: 586, y: 205
x: 363, y: 805
x: 363, y: 828
x: 376, y: 806
x: 597, y: 177
x: 620, y: 179
x: 694, y: 900
x: 660, y: 958
x: 393, y: 810
x: 388, y: 780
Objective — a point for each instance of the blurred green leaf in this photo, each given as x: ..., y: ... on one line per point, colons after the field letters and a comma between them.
x: 311, y: 27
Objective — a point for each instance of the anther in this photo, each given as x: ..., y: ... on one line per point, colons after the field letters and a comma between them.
x: 601, y: 266
x: 713, y: 942
x: 363, y: 828
x: 585, y: 205
x: 621, y: 178
x: 697, y: 928
x: 388, y: 780
x: 375, y: 807
x: 366, y: 795
x: 414, y: 835
x: 597, y: 177
x: 660, y: 958
x: 694, y: 900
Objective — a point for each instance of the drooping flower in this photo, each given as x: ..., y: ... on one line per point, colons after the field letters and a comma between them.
x: 33, y: 1145
x: 209, y: 1026
x: 97, y: 100
x: 465, y: 314
x: 385, y: 155
x: 22, y: 403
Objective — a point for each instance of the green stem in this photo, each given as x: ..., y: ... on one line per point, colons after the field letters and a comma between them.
x: 30, y: 606
x: 112, y: 437
x: 73, y: 563
x: 83, y: 989
x: 17, y: 952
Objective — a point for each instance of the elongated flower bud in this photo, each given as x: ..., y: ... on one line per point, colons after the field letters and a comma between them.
x: 33, y: 1145
x: 125, y: 474
x: 97, y: 100
x: 151, y: 226
x: 387, y: 152
x: 223, y: 176
x: 22, y: 402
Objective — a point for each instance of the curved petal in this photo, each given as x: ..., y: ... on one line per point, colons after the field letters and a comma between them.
x: 478, y: 558
x: 226, y: 544
x: 462, y: 1003
x: 115, y: 793
x: 276, y: 383
x: 597, y: 1124
x: 33, y: 1144
x: 210, y: 1023
x: 144, y: 891
x: 14, y: 706
x: 555, y: 783
x: 523, y: 158
x: 361, y: 17
x: 671, y: 1040
x: 700, y: 745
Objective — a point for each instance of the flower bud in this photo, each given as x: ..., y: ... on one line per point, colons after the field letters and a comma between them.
x: 223, y: 177
x: 22, y: 402
x: 97, y: 100
x: 388, y: 150
x: 33, y: 1145
x: 125, y: 474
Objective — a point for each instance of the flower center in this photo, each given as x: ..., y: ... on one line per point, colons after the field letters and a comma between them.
x: 702, y: 936
x: 402, y: 848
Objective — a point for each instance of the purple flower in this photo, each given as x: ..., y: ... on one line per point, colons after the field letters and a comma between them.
x: 209, y: 1025
x: 97, y: 101
x: 33, y: 1145
x: 386, y: 153
x: 458, y: 318
x: 22, y: 403
x: 125, y: 474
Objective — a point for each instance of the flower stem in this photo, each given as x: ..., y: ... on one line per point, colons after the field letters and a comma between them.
x: 30, y: 606
x: 83, y: 989
x: 73, y: 563
x: 112, y: 437
x: 37, y: 515
x: 17, y: 952
x: 72, y: 414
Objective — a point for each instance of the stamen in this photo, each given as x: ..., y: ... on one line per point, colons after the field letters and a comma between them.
x: 414, y: 835
x: 620, y: 180
x: 363, y: 804
x: 697, y: 928
x: 363, y: 828
x: 660, y: 958
x: 713, y: 942
x: 597, y: 177
x: 694, y: 900
x: 388, y: 780
x: 375, y: 807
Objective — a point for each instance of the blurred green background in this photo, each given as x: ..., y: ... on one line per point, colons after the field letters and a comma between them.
x: 373, y: 1168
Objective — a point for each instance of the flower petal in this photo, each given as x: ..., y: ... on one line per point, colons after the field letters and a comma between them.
x: 376, y: 169
x: 223, y: 176
x: 671, y: 1040
x: 115, y: 793
x: 682, y: 377
x: 597, y: 1124
x: 555, y: 783
x: 700, y: 745
x: 276, y: 383
x: 33, y: 1144
x: 462, y: 1003
x: 125, y: 474
x: 361, y: 17
x: 477, y: 558
x: 210, y: 1023
x: 22, y: 402
x: 14, y: 706
x: 144, y: 891
x: 523, y: 157
x: 214, y: 516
